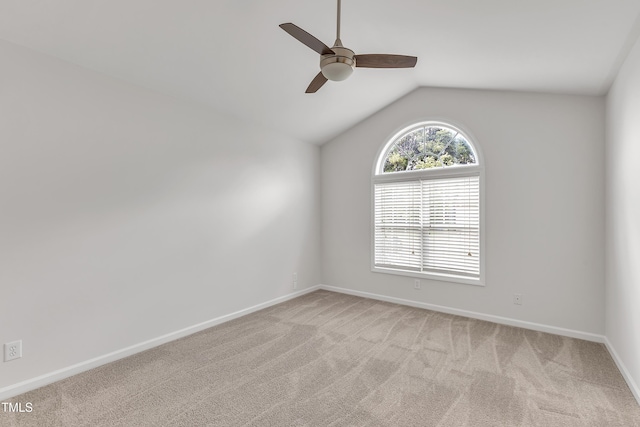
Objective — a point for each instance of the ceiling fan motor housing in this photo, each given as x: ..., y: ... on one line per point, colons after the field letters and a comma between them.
x: 339, y: 66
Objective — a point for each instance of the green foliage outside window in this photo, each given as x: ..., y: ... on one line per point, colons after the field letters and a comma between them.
x: 429, y: 147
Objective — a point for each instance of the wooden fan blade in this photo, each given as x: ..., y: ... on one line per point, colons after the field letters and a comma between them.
x: 306, y: 38
x: 385, y: 61
x: 316, y: 83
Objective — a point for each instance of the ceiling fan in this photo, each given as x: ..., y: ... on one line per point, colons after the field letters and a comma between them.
x: 337, y: 62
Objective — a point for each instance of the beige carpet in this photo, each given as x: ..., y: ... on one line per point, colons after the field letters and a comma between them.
x: 327, y: 359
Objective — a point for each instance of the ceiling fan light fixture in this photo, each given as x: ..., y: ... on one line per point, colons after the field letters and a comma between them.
x: 339, y: 65
x: 337, y: 71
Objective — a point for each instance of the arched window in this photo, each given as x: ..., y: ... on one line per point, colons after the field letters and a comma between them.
x: 427, y: 205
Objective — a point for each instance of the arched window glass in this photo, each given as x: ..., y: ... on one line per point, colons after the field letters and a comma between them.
x: 429, y: 146
x: 427, y: 205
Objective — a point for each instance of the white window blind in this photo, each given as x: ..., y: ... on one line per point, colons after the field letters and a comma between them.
x: 428, y: 225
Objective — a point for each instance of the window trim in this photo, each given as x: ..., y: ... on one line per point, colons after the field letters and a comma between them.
x: 378, y: 176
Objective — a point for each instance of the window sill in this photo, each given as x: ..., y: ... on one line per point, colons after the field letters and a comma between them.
x: 431, y: 276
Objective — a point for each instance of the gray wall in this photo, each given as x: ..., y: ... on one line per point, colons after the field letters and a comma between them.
x: 623, y: 217
x: 126, y: 215
x: 544, y: 204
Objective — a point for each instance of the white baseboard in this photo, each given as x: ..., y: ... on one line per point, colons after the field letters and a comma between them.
x: 33, y: 383
x: 481, y: 316
x: 623, y: 370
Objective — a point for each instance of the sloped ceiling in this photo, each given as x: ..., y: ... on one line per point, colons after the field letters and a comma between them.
x: 231, y: 55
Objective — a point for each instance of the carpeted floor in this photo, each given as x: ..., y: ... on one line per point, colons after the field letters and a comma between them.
x: 327, y: 359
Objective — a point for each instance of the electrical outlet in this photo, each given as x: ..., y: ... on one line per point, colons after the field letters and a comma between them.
x: 295, y: 280
x: 12, y: 350
x: 417, y: 284
x: 517, y: 299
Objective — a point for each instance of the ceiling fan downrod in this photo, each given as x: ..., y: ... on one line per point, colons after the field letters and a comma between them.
x: 338, y: 26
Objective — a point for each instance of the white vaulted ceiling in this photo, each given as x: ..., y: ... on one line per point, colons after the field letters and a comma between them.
x: 231, y: 55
